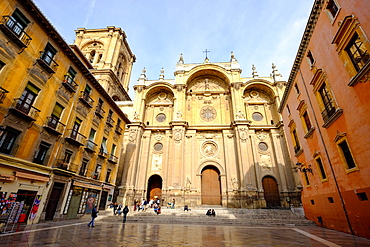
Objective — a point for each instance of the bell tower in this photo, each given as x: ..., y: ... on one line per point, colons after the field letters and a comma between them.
x: 109, y: 54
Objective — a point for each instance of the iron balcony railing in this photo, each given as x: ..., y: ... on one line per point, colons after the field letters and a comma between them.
x: 112, y: 158
x: 65, y: 165
x: 54, y: 124
x: 24, y: 107
x: 47, y: 62
x: 86, y: 99
x: 14, y: 28
x: 103, y: 152
x: 69, y: 83
x: 110, y: 121
x: 99, y: 112
x: 118, y: 130
x: 75, y: 137
x: 328, y: 112
x: 91, y: 145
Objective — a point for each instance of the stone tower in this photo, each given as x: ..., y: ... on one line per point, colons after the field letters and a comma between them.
x: 110, y: 56
x: 208, y: 137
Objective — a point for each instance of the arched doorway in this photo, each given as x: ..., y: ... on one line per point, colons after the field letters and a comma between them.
x: 271, y: 192
x: 154, y: 187
x: 211, y: 186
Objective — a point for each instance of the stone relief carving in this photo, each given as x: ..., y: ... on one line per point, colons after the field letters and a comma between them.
x: 265, y: 161
x: 132, y: 135
x: 243, y: 134
x: 239, y: 115
x: 262, y: 135
x: 179, y: 115
x: 206, y: 84
x: 209, y: 149
x: 158, y: 136
x: 177, y: 136
x: 157, y: 162
x: 234, y: 183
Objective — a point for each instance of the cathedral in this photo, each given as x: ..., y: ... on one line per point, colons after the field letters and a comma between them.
x: 207, y: 137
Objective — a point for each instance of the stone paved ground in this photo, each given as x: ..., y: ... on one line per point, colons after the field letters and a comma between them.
x: 114, y: 233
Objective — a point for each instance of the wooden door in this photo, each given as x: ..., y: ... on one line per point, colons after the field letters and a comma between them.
x: 53, y: 201
x: 271, y: 192
x: 211, y: 187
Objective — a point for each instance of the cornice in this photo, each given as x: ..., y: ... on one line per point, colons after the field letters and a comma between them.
x: 311, y: 24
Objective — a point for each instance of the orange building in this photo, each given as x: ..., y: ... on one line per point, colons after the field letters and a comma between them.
x: 325, y: 109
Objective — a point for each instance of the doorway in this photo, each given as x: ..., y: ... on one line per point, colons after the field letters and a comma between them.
x: 271, y: 192
x: 211, y: 186
x: 103, y: 200
x: 53, y: 201
x: 154, y: 187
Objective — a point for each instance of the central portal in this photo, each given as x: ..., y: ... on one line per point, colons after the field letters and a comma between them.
x: 211, y: 186
x: 154, y: 187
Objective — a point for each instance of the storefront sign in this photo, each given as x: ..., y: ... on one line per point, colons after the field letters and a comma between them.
x: 86, y: 185
x: 107, y: 187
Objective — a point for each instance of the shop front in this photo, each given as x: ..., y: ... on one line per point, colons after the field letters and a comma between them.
x: 82, y: 197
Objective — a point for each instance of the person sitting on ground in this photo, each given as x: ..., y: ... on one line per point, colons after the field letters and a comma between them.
x: 209, y: 211
x: 213, y: 213
x: 119, y: 209
x: 186, y: 208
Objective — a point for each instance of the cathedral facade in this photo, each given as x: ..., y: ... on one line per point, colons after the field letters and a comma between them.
x: 207, y: 137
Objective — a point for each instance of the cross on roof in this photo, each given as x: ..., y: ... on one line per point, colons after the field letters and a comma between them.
x: 206, y: 51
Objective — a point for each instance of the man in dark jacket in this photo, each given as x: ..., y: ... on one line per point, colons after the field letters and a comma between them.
x: 94, y: 214
x: 125, y: 212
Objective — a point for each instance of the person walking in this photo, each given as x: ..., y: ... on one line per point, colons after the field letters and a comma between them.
x: 94, y: 214
x: 125, y: 212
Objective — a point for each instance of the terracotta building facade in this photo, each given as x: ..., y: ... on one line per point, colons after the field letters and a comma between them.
x: 208, y: 137
x: 325, y: 110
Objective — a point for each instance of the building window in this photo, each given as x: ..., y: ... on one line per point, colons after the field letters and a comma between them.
x: 288, y: 109
x: 90, y: 142
x: 103, y: 147
x: 307, y: 121
x: 96, y: 175
x: 48, y: 54
x: 362, y: 196
x: 17, y: 23
x: 8, y: 139
x: 357, y: 52
x: 83, y: 167
x: 333, y: 8
x: 321, y: 169
x: 296, y: 89
x: 308, y: 128
x: 312, y: 202
x: 92, y: 55
x: 330, y: 199
x: 346, y: 154
x: 29, y: 95
x: 40, y: 156
x: 328, y: 103
x: 2, y: 64
x: 67, y: 156
x: 55, y: 116
x: 107, y: 177
x: 306, y: 179
x: 310, y: 58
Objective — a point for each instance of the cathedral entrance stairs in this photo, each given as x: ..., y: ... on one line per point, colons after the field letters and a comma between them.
x: 232, y: 216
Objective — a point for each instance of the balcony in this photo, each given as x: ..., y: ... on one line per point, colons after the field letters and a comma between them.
x: 3, y: 93
x: 103, y: 153
x: 66, y: 166
x: 53, y: 126
x: 47, y: 62
x: 23, y: 109
x: 110, y: 122
x: 75, y: 138
x: 112, y: 158
x: 86, y: 99
x: 91, y: 146
x: 69, y: 84
x: 99, y: 112
x: 15, y: 31
x: 118, y: 130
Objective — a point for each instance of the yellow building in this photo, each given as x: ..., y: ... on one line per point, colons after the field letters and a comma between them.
x: 61, y: 131
x: 208, y: 137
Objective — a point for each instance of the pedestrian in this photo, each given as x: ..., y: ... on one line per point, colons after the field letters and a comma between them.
x: 125, y: 212
x: 173, y: 203
x: 94, y: 214
x: 115, y: 205
x: 119, y: 209
x: 209, y: 211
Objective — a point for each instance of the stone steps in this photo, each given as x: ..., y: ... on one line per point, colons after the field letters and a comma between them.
x: 273, y: 217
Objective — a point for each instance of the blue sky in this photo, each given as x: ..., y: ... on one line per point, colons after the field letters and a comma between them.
x: 259, y: 32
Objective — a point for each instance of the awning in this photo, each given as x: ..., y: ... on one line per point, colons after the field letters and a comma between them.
x: 86, y: 185
x: 31, y: 176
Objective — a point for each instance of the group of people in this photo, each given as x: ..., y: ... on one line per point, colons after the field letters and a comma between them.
x: 211, y: 212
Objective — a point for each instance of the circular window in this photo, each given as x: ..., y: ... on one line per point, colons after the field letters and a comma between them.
x: 257, y: 116
x: 161, y: 117
x: 158, y: 146
x: 262, y: 146
x: 208, y: 113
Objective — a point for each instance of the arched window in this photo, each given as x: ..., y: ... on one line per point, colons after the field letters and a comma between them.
x: 92, y: 55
